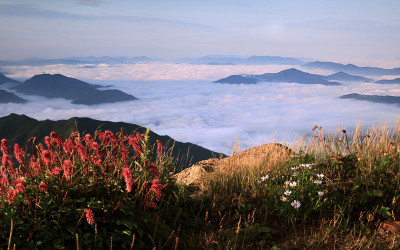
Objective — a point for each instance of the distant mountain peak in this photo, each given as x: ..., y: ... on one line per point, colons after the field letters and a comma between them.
x: 287, y: 75
x: 79, y: 92
x: 5, y: 79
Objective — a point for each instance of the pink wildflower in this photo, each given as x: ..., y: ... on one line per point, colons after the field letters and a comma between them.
x: 47, y: 141
x: 43, y: 186
x: 127, y: 173
x: 156, y: 188
x: 67, y: 169
x: 124, y: 153
x: 56, y: 171
x: 88, y: 137
x: 102, y: 137
x: 3, y: 179
x: 7, y: 159
x: 56, y: 140
x: 18, y: 153
x: 20, y: 186
x: 4, y: 146
x: 159, y: 148
x: 11, y: 196
x: 154, y: 170
x: 89, y: 216
x: 111, y: 137
x: 139, y: 136
x: 41, y: 148
x: 46, y: 156
x: 135, y: 143
x: 82, y: 152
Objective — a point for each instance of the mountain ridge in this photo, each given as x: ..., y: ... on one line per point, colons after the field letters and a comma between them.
x: 287, y: 75
x: 20, y: 128
x: 79, y: 92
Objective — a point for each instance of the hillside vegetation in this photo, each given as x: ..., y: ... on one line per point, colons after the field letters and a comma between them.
x: 107, y: 190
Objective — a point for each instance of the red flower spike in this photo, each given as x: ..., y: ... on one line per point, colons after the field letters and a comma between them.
x: 43, y: 186
x: 56, y: 140
x: 159, y: 148
x: 89, y: 216
x: 11, y: 196
x: 4, y: 146
x: 82, y: 152
x: 3, y: 180
x: 20, y: 186
x: 46, y: 156
x: 18, y: 153
x: 156, y: 188
x: 7, y: 159
x: 127, y: 173
x: 154, y: 170
x: 67, y: 169
x: 88, y: 138
x: 47, y: 141
x: 56, y: 171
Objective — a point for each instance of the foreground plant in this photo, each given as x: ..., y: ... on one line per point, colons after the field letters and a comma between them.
x: 91, y: 191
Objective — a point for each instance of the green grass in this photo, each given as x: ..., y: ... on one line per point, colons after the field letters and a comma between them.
x: 347, y: 186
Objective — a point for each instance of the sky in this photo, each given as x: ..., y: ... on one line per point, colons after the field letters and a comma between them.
x: 339, y: 30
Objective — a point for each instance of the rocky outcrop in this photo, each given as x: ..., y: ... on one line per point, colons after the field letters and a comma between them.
x: 195, y: 176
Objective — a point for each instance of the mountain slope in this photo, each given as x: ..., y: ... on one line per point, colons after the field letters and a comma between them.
x: 4, y: 79
x: 288, y: 75
x: 393, y: 81
x: 342, y: 76
x: 7, y: 97
x: 238, y: 79
x: 353, y: 69
x: 80, y: 92
x: 373, y: 98
x: 20, y: 128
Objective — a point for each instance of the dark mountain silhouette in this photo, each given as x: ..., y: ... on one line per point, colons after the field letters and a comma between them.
x: 4, y: 79
x: 341, y: 76
x: 237, y: 79
x: 20, y: 128
x: 353, y: 69
x: 252, y: 60
x: 373, y: 98
x: 59, y: 86
x: 294, y: 75
x: 288, y: 75
x: 7, y: 97
x: 393, y: 81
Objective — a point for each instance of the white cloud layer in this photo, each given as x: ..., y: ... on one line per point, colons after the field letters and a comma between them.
x: 209, y: 114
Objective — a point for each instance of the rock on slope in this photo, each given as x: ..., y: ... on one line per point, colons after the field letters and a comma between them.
x: 195, y: 176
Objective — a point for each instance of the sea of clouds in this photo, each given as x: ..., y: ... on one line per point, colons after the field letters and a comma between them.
x: 181, y: 100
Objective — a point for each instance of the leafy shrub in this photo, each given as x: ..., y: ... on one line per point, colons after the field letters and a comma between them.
x: 89, y: 191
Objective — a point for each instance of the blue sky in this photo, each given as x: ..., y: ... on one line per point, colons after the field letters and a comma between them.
x: 339, y: 30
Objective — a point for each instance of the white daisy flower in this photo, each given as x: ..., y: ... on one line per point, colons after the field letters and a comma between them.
x: 296, y: 204
x: 320, y: 175
x: 294, y: 168
x: 287, y: 192
x: 287, y: 183
x: 283, y: 198
x: 321, y: 193
x: 317, y: 182
x: 293, y: 184
x: 306, y: 165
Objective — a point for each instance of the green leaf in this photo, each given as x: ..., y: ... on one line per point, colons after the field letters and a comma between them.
x: 377, y: 193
